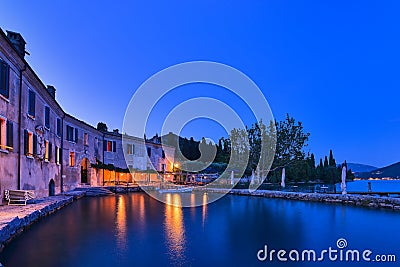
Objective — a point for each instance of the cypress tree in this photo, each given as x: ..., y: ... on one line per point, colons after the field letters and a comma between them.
x: 312, y: 160
x: 332, y: 161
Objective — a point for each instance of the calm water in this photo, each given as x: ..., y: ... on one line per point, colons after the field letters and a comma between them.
x: 376, y: 185
x: 136, y: 230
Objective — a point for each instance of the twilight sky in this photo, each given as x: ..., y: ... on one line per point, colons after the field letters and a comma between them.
x: 334, y: 65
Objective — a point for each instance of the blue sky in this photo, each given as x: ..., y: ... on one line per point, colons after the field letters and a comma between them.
x: 334, y: 65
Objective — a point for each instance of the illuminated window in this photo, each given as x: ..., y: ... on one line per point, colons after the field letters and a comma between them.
x: 110, y: 146
x: 6, y: 134
x: 85, y: 139
x: 130, y: 149
x: 30, y: 143
x: 46, y: 152
x: 2, y: 133
x: 71, y: 159
x: 58, y: 155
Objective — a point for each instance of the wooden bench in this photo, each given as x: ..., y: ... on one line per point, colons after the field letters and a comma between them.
x: 18, y: 197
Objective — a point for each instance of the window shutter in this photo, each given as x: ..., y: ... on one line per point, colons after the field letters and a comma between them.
x: 76, y: 135
x: 4, y: 78
x: 50, y: 151
x: 26, y: 145
x: 7, y: 81
x: 58, y: 127
x: 32, y: 103
x: 114, y: 146
x: 10, y: 134
x: 34, y: 144
x: 104, y: 145
x: 47, y: 117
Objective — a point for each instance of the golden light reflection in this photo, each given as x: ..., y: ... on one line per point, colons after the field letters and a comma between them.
x: 174, y: 227
x: 204, y: 213
x: 142, y: 214
x: 121, y: 231
x: 193, y: 206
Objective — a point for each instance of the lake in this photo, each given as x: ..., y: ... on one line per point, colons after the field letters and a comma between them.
x: 376, y: 186
x: 136, y: 230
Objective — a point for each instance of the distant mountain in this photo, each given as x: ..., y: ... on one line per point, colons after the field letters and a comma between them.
x: 357, y: 167
x: 391, y: 171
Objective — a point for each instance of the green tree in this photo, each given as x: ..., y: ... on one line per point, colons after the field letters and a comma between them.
x: 101, y: 126
x: 332, y: 161
x: 291, y: 141
x: 326, y: 164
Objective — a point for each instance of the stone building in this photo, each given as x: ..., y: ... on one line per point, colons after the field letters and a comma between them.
x: 42, y: 148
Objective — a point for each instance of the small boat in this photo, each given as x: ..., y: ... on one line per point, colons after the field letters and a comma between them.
x: 182, y: 189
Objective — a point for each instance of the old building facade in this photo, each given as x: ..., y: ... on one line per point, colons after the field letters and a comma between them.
x: 42, y: 148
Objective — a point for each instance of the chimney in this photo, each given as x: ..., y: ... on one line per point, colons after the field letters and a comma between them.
x: 51, y: 90
x: 17, y: 41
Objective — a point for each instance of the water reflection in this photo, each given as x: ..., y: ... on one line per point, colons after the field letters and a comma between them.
x: 174, y: 228
x: 136, y: 230
x: 120, y: 225
x: 204, y: 212
x: 142, y: 214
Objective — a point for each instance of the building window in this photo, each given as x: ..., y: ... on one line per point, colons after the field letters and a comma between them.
x: 31, y: 103
x: 47, y: 117
x: 110, y: 146
x: 58, y: 127
x: 163, y: 167
x: 130, y: 149
x: 6, y: 134
x: 72, y: 134
x: 58, y: 155
x: 85, y: 139
x: 30, y: 143
x: 149, y: 151
x: 4, y: 79
x: 9, y: 135
x: 163, y: 154
x: 2, y: 133
x: 76, y: 135
x: 46, y: 151
x: 71, y: 159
